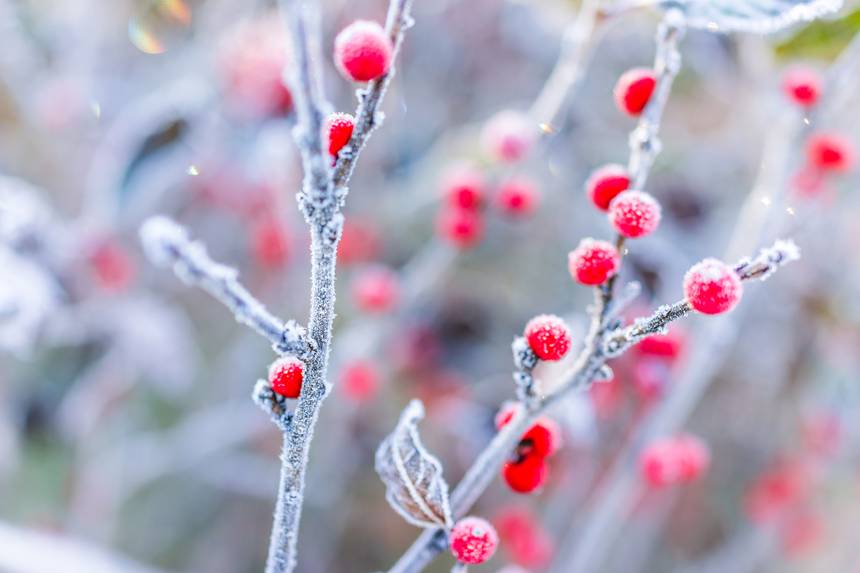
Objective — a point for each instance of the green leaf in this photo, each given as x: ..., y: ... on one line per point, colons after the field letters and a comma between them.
x: 823, y: 39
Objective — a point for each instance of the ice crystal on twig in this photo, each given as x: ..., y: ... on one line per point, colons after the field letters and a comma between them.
x: 756, y: 16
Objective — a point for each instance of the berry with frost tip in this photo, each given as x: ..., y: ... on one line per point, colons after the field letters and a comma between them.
x: 518, y: 197
x: 461, y: 227
x: 605, y: 183
x: 508, y: 136
x: 362, y: 51
x: 802, y: 85
x: 633, y: 90
x: 634, y: 214
x: 526, y: 473
x: 593, y: 261
x: 286, y: 376
x: 338, y: 131
x: 548, y: 336
x: 712, y: 287
x: 464, y: 188
x: 473, y: 540
x: 829, y: 151
x: 376, y: 289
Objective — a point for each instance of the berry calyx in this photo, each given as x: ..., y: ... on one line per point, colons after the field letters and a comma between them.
x: 362, y: 51
x: 830, y: 152
x: 460, y: 227
x: 526, y: 474
x: 286, y: 376
x: 633, y: 90
x: 593, y: 261
x: 463, y: 188
x: 712, y: 287
x: 508, y: 136
x: 548, y: 336
x: 518, y: 197
x: 338, y: 131
x: 634, y: 214
x: 376, y: 289
x: 802, y: 85
x: 473, y: 540
x: 605, y: 183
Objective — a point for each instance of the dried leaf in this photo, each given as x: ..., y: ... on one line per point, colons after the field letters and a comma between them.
x: 413, y: 479
x: 757, y: 16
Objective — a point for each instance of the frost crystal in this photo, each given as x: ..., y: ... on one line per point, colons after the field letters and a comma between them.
x: 756, y: 16
x: 413, y: 479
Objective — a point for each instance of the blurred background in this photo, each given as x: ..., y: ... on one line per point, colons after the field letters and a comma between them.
x: 128, y: 441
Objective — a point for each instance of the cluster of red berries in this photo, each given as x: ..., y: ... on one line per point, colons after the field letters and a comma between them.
x: 473, y: 540
x: 286, y: 375
x: 674, y: 460
x: 465, y: 194
x: 528, y: 469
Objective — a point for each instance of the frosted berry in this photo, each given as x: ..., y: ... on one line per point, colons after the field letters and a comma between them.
x: 634, y: 214
x: 362, y: 51
x: 548, y: 336
x: 338, y: 131
x: 376, y: 289
x: 605, y: 183
x: 518, y: 197
x: 359, y: 380
x: 634, y: 89
x: 712, y: 287
x: 593, y: 261
x: 509, y: 136
x: 270, y: 243
x: 286, y: 375
x: 473, y: 540
x: 830, y: 152
x: 802, y: 86
x: 464, y: 188
x: 461, y: 227
x: 526, y: 473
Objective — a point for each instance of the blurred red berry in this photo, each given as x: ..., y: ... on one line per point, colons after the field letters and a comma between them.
x: 359, y: 242
x: 338, y: 129
x: 801, y: 533
x: 633, y: 90
x: 360, y: 380
x: 461, y: 227
x: 473, y: 540
x: 270, y: 242
x: 669, y: 345
x: 674, y: 460
x: 525, y: 540
x: 548, y: 336
x: 362, y: 51
x: 694, y: 456
x: 286, y: 375
x: 830, y: 152
x: 508, y: 136
x: 376, y: 289
x: 464, y: 188
x: 526, y: 473
x: 776, y: 491
x: 634, y: 214
x: 111, y: 266
x: 605, y: 183
x: 712, y: 287
x: 802, y: 85
x: 518, y: 197
x: 593, y: 261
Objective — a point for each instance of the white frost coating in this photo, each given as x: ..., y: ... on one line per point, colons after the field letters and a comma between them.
x: 755, y: 16
x: 28, y: 297
x: 413, y: 479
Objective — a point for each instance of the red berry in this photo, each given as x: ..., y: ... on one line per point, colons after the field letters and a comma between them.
x: 548, y: 336
x: 463, y: 188
x: 473, y: 540
x: 674, y: 460
x: 360, y: 380
x: 509, y: 136
x: 527, y: 474
x: 359, y: 242
x: 112, y: 266
x: 543, y: 438
x: 376, y: 289
x: 593, y: 261
x: 634, y: 214
x: 269, y: 242
x: 669, y: 345
x: 694, y: 457
x: 634, y: 89
x: 830, y: 152
x: 362, y: 51
x: 286, y: 375
x: 338, y: 129
x: 518, y: 197
x: 605, y: 183
x: 802, y: 85
x: 712, y: 287
x: 526, y: 541
x: 460, y: 227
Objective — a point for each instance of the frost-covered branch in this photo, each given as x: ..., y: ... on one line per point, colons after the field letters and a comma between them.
x: 167, y: 244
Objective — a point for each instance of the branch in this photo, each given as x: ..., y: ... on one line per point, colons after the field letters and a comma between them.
x: 168, y: 245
